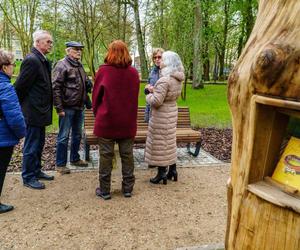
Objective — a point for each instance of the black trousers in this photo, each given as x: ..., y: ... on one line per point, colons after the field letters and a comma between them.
x: 5, y: 156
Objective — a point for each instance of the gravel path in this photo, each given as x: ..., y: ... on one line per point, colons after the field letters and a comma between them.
x: 68, y: 215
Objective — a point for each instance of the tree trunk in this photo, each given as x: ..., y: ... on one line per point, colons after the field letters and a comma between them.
x: 268, y: 65
x: 205, y: 41
x: 249, y: 18
x: 225, y: 34
x: 162, y: 34
x: 246, y: 24
x: 197, y: 65
x: 216, y: 69
x: 124, y: 18
x: 21, y: 16
x: 241, y: 41
x: 118, y: 19
x: 140, y: 40
x: 206, y: 69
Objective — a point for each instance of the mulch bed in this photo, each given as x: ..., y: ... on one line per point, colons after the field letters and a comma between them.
x: 215, y: 141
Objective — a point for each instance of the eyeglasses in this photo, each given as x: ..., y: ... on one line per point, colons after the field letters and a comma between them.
x: 13, y: 64
x: 156, y: 57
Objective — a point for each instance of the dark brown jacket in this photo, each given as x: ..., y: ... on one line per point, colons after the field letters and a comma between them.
x: 69, y: 85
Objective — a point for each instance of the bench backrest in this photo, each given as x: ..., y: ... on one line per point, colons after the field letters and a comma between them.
x: 183, y: 118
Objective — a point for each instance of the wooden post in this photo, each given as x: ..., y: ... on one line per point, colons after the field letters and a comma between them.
x: 269, y: 65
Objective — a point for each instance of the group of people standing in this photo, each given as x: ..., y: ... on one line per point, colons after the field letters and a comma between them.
x: 26, y: 110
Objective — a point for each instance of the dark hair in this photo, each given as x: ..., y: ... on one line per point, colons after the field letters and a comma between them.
x: 118, y: 54
x: 6, y: 58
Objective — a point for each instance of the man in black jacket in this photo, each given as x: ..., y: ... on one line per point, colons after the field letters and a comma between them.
x: 34, y: 90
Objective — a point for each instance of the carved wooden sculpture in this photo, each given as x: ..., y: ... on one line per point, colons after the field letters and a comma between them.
x: 269, y: 65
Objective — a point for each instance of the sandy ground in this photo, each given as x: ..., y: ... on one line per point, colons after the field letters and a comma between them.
x: 68, y: 215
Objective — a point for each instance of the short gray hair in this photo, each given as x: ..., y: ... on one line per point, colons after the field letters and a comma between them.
x: 39, y: 35
x: 68, y: 50
x: 172, y: 63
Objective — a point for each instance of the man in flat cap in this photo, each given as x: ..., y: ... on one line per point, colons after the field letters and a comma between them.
x: 69, y: 96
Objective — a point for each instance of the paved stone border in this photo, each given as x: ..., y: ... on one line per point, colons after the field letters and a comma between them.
x: 204, y: 247
x: 184, y: 159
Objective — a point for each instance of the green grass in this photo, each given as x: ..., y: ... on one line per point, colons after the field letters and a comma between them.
x: 54, y: 126
x: 208, y: 106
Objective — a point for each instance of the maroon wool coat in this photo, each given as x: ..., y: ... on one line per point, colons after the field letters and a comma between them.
x: 115, y: 102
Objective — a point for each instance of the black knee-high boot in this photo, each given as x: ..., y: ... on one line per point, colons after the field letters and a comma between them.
x: 172, y: 172
x: 161, y: 175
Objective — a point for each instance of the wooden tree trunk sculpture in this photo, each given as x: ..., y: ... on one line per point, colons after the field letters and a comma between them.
x: 269, y: 65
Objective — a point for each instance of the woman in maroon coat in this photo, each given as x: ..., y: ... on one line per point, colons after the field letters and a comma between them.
x: 115, y: 104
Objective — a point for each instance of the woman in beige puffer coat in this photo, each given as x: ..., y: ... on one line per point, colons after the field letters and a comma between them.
x: 161, y: 138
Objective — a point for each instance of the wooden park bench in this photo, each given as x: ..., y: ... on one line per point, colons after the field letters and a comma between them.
x: 184, y: 132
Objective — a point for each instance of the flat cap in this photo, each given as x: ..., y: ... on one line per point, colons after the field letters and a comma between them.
x: 74, y: 44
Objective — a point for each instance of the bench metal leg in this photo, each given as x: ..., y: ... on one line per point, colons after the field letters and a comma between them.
x: 197, y: 150
x: 87, y: 151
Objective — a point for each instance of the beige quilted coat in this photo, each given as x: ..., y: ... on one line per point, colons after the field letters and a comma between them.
x: 161, y: 138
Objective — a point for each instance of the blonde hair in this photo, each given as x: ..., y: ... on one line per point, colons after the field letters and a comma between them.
x: 157, y: 50
x: 6, y: 58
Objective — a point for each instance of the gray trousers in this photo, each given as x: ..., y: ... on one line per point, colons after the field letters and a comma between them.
x: 106, y: 151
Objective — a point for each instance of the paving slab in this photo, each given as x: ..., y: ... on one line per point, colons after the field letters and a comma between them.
x: 204, y: 247
x: 184, y: 159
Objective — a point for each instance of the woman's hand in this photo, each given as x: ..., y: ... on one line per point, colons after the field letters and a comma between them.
x: 61, y: 114
x: 148, y: 89
x: 151, y: 88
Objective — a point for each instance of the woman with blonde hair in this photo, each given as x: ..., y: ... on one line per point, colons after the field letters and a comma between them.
x: 153, y: 77
x: 161, y: 148
x: 12, y: 124
x: 115, y: 105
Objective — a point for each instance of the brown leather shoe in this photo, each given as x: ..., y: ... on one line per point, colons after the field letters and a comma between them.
x: 63, y: 170
x: 79, y: 163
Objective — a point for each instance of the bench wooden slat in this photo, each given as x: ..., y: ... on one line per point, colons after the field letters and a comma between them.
x: 184, y: 132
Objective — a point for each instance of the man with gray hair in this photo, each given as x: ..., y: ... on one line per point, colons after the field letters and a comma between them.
x: 33, y: 87
x: 69, y: 95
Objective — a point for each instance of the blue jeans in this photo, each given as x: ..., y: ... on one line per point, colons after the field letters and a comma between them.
x: 73, y: 119
x: 32, y: 152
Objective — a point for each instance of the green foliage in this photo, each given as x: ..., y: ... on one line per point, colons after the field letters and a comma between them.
x: 177, y: 21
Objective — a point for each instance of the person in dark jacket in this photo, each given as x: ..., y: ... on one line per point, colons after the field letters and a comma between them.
x: 153, y: 77
x: 115, y: 105
x: 12, y: 124
x: 34, y: 90
x: 69, y: 82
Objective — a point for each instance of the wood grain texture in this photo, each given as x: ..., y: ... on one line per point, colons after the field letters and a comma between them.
x: 269, y: 65
x: 184, y: 132
x: 265, y: 226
